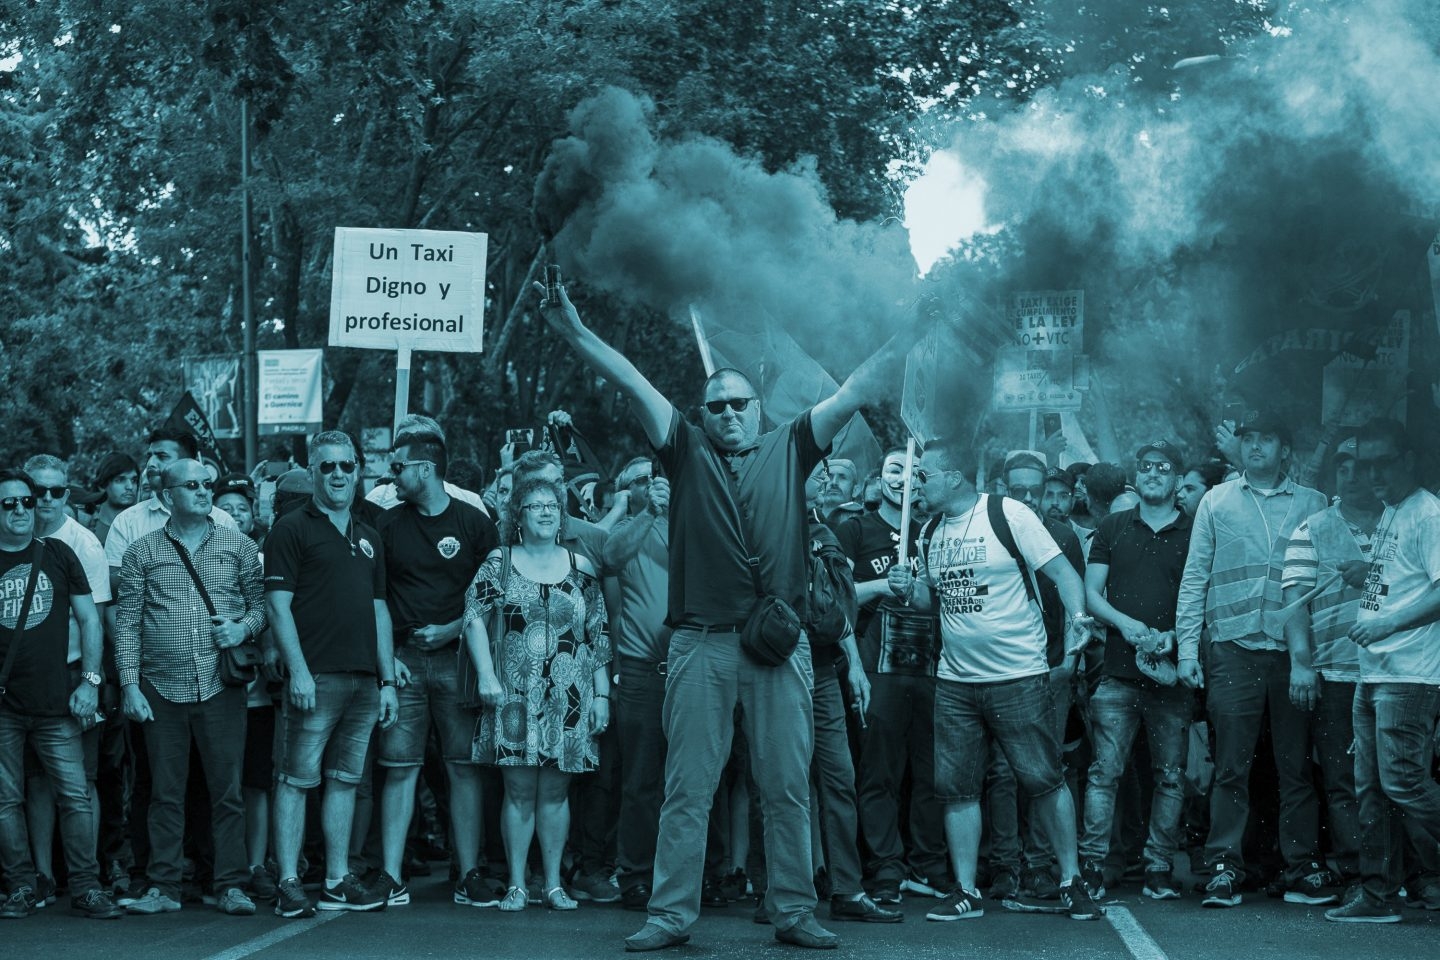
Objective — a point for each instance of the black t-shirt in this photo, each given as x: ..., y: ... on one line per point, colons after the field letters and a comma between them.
x: 1143, y: 581
x: 710, y: 581
x: 335, y: 577
x: 1052, y: 609
x: 39, y: 684
x: 431, y: 561
x: 873, y: 545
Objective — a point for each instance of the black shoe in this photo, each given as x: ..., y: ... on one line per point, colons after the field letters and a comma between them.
x: 262, y: 885
x: 96, y: 905
x: 636, y: 897
x: 396, y: 894
x: 45, y: 891
x: 292, y: 902
x: 20, y: 904
x: 1318, y: 886
x: 1005, y: 885
x: 806, y: 932
x: 761, y: 916
x: 711, y: 894
x: 734, y: 885
x: 1039, y: 883
x: 958, y: 905
x: 1094, y: 879
x: 350, y: 894
x: 474, y: 890
x: 1075, y: 898
x: 888, y: 893
x: 653, y: 937
x: 1220, y: 891
x: 864, y: 910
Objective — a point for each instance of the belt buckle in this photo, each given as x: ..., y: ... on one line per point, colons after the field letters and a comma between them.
x: 662, y: 668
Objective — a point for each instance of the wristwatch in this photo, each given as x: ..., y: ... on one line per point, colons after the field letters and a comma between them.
x: 382, y: 684
x: 92, y: 678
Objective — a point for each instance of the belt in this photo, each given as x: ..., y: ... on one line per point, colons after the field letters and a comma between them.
x: 712, y: 627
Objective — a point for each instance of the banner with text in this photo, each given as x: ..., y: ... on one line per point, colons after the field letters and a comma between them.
x: 1047, y: 319
x: 290, y: 385
x: 412, y: 289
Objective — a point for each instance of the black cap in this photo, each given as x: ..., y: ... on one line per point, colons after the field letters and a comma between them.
x: 235, y: 483
x: 1056, y: 475
x: 1166, y: 449
x: 1264, y: 421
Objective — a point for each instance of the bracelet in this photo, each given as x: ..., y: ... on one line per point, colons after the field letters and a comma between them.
x: 602, y: 696
x: 382, y: 684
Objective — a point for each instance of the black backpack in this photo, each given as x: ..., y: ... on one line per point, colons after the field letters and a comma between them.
x: 995, y: 513
x: 830, y: 601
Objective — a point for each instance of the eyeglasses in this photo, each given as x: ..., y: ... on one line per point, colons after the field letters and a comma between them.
x: 56, y: 493
x: 193, y: 485
x: 327, y: 467
x: 638, y: 482
x: 397, y: 467
x: 16, y: 504
x: 924, y: 476
x: 550, y: 507
x: 737, y: 404
x: 1024, y: 493
x: 1154, y: 466
x: 1378, y: 463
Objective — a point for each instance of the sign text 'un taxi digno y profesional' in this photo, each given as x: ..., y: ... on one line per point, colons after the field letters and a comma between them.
x: 407, y: 290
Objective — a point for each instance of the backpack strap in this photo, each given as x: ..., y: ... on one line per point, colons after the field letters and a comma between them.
x: 922, y: 544
x: 995, y: 508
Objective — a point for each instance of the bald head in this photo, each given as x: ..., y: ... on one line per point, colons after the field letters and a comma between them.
x: 186, y: 489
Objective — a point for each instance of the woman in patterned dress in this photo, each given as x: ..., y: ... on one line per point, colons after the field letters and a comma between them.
x: 544, y: 681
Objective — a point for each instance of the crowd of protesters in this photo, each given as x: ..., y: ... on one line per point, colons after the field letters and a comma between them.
x: 734, y: 677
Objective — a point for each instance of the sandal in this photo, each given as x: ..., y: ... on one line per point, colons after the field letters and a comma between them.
x: 557, y: 899
x: 514, y: 899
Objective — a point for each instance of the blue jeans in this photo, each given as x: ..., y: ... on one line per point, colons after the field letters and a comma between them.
x: 1017, y: 715
x: 1118, y: 708
x: 56, y: 742
x: 333, y: 739
x: 1014, y: 834
x: 1394, y: 748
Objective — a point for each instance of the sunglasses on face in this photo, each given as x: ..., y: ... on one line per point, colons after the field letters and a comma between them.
x: 1155, y: 466
x: 1024, y: 493
x: 193, y: 485
x: 397, y: 467
x: 551, y: 507
x: 56, y: 493
x: 737, y: 404
x: 925, y: 476
x: 16, y: 504
x: 327, y: 467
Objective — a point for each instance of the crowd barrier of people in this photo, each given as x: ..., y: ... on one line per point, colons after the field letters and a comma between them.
x: 736, y: 677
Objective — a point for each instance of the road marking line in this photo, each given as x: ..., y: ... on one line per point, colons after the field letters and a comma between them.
x: 278, y: 935
x: 1141, y: 945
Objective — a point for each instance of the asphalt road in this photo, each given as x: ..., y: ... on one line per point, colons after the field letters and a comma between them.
x: 433, y: 927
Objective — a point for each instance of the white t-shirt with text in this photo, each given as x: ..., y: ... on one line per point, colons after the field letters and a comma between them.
x: 1404, y: 571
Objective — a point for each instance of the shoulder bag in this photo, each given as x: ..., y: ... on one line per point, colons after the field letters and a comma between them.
x: 238, y: 666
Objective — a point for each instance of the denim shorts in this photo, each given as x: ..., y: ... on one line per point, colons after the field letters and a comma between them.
x: 429, y: 697
x: 1018, y: 715
x: 336, y: 733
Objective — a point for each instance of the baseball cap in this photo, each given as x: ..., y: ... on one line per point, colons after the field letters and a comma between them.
x: 235, y: 483
x: 1063, y: 477
x: 1265, y: 421
x: 1166, y: 449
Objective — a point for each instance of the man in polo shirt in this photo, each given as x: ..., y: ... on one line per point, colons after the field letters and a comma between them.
x: 168, y: 645
x: 1397, y: 703
x: 739, y: 494
x: 386, y: 496
x: 635, y: 597
x: 1136, y: 561
x: 38, y: 707
x: 1231, y: 581
x: 320, y: 565
x: 433, y: 546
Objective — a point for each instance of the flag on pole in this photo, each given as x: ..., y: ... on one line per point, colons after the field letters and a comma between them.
x: 187, y: 415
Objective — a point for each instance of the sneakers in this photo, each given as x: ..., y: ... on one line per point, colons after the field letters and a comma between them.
x: 921, y: 885
x: 1094, y: 878
x: 1005, y: 885
x: 1039, y: 882
x: 350, y: 894
x: 1075, y: 898
x: 1220, y: 891
x: 959, y: 905
x: 97, y: 905
x: 1425, y: 898
x: 234, y: 903
x: 263, y: 885
x: 712, y: 894
x: 474, y: 890
x: 515, y: 900
x: 1363, y: 910
x: 734, y: 885
x: 1318, y: 886
x: 291, y: 901
x: 1160, y: 886
x: 596, y: 887
x: 44, y: 891
x: 153, y: 901
x: 20, y: 904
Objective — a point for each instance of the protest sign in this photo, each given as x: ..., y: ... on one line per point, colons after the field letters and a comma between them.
x: 1047, y: 319
x: 1028, y: 379
x: 290, y: 391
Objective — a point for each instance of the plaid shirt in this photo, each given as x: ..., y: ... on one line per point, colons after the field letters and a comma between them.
x: 162, y: 627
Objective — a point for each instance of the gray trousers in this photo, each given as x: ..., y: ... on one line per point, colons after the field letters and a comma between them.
x: 707, y: 676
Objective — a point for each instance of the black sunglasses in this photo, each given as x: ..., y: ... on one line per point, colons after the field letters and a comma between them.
x: 737, y: 404
x: 16, y: 504
x: 327, y: 467
x: 56, y: 493
x: 193, y: 485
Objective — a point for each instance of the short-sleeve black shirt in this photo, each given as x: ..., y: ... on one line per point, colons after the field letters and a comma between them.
x: 39, y: 684
x: 873, y: 546
x: 710, y: 582
x: 1143, y: 581
x: 335, y: 579
x: 430, y: 562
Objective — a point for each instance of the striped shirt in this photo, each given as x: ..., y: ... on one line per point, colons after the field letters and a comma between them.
x: 162, y: 626
x: 1319, y: 545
